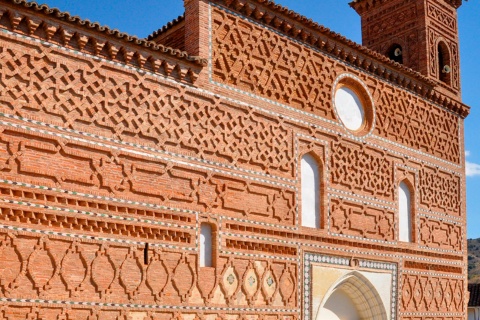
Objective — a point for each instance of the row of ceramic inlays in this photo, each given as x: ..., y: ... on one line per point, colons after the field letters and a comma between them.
x: 148, y: 306
x: 342, y: 261
x: 299, y: 243
x: 320, y: 258
x: 429, y: 274
x: 436, y: 315
x: 194, y: 89
x: 441, y: 215
x: 428, y: 215
x: 392, y: 204
x: 336, y: 123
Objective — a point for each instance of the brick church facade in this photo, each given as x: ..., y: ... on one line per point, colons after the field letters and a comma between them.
x: 242, y: 162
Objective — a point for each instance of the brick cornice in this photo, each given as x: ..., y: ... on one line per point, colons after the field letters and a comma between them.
x: 362, y: 5
x: 59, y: 28
x: 54, y: 13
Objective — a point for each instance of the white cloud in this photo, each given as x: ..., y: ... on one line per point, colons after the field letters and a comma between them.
x: 471, y: 169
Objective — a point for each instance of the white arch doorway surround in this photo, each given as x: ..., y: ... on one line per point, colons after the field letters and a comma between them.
x: 329, y: 279
x: 352, y: 297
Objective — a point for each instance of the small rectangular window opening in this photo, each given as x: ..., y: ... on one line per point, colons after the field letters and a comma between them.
x: 145, y: 254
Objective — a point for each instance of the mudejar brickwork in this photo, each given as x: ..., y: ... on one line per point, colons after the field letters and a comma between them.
x: 242, y: 162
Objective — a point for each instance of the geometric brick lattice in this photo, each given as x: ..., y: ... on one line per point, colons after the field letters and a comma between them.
x: 255, y: 59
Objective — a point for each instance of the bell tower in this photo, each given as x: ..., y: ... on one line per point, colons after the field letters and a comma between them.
x: 420, y: 34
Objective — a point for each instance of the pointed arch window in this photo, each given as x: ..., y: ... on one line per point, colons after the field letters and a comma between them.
x: 405, y: 213
x: 310, y: 191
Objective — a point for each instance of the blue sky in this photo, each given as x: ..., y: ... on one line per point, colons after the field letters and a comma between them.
x: 143, y: 17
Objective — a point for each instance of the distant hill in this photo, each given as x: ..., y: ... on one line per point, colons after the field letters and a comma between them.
x: 474, y: 260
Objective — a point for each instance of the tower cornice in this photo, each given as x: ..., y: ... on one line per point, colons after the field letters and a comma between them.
x: 362, y: 5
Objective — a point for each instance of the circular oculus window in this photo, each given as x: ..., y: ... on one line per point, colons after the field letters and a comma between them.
x: 353, y: 105
x: 349, y: 108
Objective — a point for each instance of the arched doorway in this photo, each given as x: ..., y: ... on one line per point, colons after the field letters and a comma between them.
x: 353, y: 297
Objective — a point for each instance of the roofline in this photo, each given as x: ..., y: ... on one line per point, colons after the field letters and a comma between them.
x: 307, y: 31
x: 66, y: 17
x: 165, y: 28
x: 361, y: 5
x: 474, y: 289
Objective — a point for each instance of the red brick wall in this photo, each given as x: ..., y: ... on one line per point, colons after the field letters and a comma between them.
x: 99, y: 158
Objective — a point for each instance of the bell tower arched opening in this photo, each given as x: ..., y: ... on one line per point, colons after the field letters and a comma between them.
x: 444, y: 63
x: 424, y: 39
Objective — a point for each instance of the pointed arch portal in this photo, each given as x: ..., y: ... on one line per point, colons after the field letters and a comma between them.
x: 353, y: 297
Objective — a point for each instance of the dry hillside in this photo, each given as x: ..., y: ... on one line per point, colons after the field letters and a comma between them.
x: 474, y: 260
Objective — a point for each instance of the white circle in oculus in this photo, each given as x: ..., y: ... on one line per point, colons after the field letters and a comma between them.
x: 349, y: 108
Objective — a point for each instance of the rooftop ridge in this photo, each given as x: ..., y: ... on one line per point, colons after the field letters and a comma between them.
x: 166, y: 27
x: 57, y: 14
x: 361, y: 5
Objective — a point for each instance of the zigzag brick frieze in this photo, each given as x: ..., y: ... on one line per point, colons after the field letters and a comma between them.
x: 262, y: 247
x: 104, y: 208
x: 444, y: 17
x: 85, y: 225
